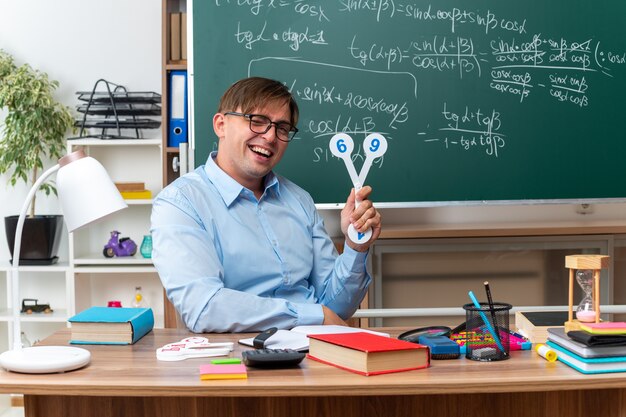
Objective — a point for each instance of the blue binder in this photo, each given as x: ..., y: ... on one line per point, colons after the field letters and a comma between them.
x: 177, y: 132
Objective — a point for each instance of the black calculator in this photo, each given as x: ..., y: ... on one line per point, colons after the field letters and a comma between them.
x: 272, y: 358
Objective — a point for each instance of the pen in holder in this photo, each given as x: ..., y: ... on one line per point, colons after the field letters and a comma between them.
x: 482, y: 343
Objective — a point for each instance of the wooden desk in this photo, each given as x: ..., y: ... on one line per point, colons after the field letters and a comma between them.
x: 129, y: 381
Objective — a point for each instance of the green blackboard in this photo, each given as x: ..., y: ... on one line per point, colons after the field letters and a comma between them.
x: 479, y: 101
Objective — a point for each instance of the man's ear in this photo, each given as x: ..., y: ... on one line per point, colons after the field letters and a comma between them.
x: 218, y: 125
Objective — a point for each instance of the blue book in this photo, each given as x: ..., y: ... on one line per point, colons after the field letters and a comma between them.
x: 589, y: 365
x: 111, y: 325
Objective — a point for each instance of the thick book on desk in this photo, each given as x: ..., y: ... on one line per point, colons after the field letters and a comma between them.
x: 366, y: 353
x: 111, y: 325
x: 535, y: 324
x: 589, y: 365
x: 558, y: 336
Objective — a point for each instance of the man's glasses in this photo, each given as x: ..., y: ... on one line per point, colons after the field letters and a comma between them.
x: 261, y: 124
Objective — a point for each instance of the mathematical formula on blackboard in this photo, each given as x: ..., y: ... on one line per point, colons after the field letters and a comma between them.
x: 469, y: 96
x: 504, y: 56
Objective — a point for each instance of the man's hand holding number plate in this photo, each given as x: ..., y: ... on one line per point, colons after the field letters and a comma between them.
x: 375, y: 146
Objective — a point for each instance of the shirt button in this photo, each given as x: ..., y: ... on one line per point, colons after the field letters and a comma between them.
x: 274, y: 243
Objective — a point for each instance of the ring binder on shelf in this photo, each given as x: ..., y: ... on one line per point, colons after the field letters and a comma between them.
x: 177, y: 132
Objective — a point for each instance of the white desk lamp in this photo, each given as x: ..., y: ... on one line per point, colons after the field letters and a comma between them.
x: 86, y: 194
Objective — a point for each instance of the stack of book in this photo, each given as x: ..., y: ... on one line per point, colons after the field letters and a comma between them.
x: 133, y: 190
x: 589, y: 350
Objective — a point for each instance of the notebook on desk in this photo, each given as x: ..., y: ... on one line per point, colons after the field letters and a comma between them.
x: 297, y: 338
x: 559, y: 337
x: 589, y: 365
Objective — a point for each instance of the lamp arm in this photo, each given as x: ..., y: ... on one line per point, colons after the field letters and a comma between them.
x: 15, y: 289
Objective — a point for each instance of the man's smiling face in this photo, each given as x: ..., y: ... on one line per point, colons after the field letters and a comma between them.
x: 247, y: 156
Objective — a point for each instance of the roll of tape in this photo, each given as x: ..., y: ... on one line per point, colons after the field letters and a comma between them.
x: 547, y: 353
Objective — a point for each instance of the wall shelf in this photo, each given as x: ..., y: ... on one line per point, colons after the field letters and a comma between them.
x: 57, y: 316
x: 139, y: 202
x: 100, y: 260
x: 58, y: 267
x: 176, y: 65
x: 501, y: 229
x: 114, y: 142
x: 121, y: 269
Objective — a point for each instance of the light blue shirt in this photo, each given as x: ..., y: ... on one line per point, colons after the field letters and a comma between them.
x: 232, y: 263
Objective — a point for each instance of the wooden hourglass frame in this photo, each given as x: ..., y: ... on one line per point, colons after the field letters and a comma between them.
x: 594, y: 263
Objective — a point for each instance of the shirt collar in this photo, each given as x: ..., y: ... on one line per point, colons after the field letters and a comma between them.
x: 228, y: 188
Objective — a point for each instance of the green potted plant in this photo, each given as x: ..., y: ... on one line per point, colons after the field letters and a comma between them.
x: 32, y: 132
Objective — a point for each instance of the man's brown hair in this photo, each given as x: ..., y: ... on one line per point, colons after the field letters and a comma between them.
x: 251, y: 94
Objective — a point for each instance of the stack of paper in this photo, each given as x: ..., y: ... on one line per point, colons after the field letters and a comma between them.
x: 133, y: 190
x: 297, y: 338
x: 227, y: 371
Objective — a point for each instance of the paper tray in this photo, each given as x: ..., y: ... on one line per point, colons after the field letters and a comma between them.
x: 120, y: 97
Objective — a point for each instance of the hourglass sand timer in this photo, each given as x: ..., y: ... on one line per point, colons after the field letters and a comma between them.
x: 588, y: 277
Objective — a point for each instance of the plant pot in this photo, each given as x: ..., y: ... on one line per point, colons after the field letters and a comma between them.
x: 40, y: 238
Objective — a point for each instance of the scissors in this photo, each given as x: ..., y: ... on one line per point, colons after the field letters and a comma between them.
x: 193, y: 347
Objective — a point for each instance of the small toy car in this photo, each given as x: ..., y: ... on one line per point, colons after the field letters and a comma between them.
x: 31, y: 305
x: 117, y: 246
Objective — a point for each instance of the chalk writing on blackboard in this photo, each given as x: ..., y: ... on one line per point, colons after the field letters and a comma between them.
x: 470, y: 130
x: 460, y: 90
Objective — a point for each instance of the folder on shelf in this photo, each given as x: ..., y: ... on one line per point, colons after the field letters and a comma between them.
x: 175, y: 20
x: 183, y: 36
x: 177, y: 132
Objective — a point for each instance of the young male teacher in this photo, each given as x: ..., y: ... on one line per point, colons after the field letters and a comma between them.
x: 240, y: 248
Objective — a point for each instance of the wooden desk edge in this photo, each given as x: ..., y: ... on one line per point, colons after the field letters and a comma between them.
x: 238, y: 389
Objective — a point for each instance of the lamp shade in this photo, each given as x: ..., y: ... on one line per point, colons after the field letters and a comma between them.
x: 86, y: 192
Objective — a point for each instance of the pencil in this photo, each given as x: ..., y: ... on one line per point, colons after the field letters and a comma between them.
x: 490, y: 301
x: 490, y: 329
x: 492, y: 310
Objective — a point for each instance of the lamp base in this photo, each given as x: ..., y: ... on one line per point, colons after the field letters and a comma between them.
x: 45, y: 359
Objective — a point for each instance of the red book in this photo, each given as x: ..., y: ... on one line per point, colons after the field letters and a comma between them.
x: 367, y: 353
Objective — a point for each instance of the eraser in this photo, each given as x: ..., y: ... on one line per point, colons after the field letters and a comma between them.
x: 484, y: 352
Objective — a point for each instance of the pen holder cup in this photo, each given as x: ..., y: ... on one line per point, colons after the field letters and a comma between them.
x: 481, y: 344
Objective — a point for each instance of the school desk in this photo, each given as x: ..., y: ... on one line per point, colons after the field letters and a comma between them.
x: 129, y: 381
